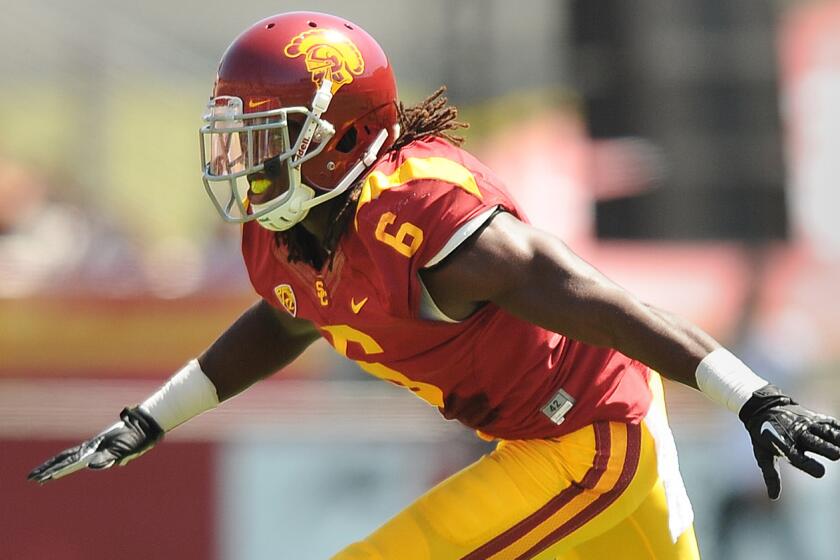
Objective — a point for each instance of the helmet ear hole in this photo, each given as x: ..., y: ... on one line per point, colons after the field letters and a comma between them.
x: 347, y: 142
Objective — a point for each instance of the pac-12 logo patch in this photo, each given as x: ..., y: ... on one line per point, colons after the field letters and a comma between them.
x: 327, y: 54
x: 286, y: 296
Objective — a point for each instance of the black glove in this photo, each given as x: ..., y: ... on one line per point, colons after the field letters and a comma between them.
x: 779, y: 427
x: 133, y: 435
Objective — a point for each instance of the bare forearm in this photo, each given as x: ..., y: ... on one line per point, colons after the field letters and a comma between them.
x: 255, y: 346
x: 669, y: 344
x: 695, y: 335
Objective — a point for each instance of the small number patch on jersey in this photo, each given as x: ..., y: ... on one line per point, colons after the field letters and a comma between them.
x: 556, y: 409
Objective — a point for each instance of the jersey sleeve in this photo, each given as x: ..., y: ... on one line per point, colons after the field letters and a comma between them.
x: 407, y: 217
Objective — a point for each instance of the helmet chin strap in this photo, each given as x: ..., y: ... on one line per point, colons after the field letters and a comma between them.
x: 302, y: 198
x: 367, y: 159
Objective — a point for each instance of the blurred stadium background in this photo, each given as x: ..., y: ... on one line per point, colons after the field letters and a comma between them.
x: 688, y: 148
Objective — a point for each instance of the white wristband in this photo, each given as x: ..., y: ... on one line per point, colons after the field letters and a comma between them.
x: 727, y: 380
x: 188, y: 393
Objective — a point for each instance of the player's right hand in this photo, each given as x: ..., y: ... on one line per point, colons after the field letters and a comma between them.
x: 133, y: 435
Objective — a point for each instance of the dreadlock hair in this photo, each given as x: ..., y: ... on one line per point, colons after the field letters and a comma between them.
x: 432, y: 117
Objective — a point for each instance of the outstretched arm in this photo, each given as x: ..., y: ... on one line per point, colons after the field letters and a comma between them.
x: 262, y: 341
x: 535, y: 276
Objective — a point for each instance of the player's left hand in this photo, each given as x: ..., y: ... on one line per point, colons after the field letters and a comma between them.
x: 780, y: 427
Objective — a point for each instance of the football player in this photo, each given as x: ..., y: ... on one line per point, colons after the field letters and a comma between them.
x: 365, y: 224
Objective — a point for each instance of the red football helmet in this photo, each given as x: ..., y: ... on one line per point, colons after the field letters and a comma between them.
x: 303, y: 103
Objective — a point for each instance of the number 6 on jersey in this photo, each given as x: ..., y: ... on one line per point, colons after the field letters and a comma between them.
x: 398, y: 241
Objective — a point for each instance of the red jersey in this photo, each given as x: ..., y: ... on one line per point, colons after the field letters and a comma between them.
x: 493, y: 372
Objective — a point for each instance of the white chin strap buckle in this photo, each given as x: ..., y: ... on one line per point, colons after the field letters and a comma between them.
x: 287, y: 214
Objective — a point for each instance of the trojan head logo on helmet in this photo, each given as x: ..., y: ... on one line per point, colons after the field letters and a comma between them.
x: 328, y: 55
x: 302, y: 105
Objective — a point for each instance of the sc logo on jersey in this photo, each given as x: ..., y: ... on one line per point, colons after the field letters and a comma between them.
x: 328, y: 54
x: 286, y: 297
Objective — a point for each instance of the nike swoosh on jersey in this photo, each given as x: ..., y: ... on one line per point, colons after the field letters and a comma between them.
x: 356, y: 307
x: 254, y: 104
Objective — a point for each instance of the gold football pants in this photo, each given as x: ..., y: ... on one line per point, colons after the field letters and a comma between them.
x: 609, y: 490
